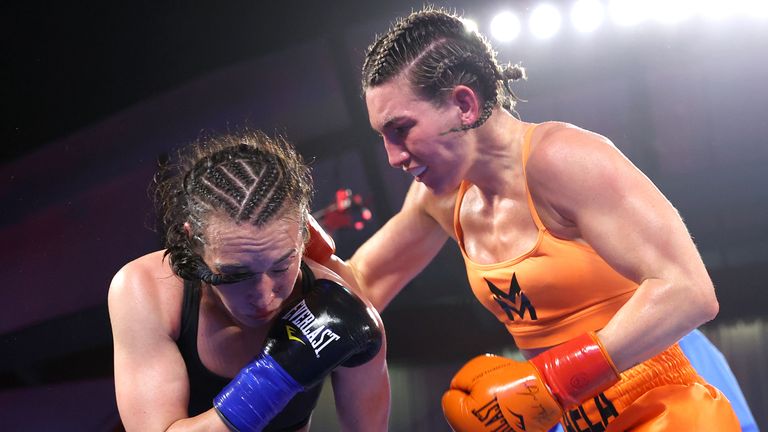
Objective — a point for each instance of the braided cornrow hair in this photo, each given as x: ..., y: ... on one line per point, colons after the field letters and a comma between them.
x: 246, y: 176
x: 435, y: 51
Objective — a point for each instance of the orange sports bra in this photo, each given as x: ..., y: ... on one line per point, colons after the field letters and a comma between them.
x: 554, y: 292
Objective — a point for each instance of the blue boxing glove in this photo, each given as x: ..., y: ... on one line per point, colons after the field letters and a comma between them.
x: 313, y: 335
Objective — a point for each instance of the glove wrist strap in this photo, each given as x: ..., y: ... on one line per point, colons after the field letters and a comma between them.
x: 258, y: 393
x: 576, y: 370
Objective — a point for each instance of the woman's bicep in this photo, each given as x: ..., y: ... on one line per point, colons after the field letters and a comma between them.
x: 151, y: 388
x: 615, y: 208
x: 151, y: 383
x: 362, y: 394
x: 397, y: 252
x: 623, y: 216
x: 638, y: 232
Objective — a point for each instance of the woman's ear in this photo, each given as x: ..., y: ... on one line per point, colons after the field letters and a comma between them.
x: 468, y: 103
x: 188, y: 230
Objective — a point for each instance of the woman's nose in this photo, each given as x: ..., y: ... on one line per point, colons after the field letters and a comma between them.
x: 396, y: 156
x: 262, y: 300
x: 262, y: 294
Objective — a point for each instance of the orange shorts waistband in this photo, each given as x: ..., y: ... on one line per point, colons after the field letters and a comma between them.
x: 667, y: 368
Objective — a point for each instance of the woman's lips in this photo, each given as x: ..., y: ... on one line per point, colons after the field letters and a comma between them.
x: 259, y: 315
x: 417, y: 172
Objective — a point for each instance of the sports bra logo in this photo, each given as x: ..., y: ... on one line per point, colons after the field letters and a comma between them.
x: 509, y: 300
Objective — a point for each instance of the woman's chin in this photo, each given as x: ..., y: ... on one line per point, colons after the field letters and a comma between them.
x: 255, y: 319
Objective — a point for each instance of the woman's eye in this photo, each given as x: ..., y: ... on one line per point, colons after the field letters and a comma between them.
x: 280, y: 270
x: 232, y: 278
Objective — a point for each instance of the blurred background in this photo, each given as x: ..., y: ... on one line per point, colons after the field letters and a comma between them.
x: 96, y: 94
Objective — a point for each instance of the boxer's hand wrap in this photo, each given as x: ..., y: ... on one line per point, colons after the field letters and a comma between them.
x: 328, y: 327
x: 492, y: 392
x: 320, y: 245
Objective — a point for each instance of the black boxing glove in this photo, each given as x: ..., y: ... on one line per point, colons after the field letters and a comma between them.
x: 312, y: 335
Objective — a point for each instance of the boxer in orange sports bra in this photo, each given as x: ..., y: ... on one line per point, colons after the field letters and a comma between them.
x: 565, y: 241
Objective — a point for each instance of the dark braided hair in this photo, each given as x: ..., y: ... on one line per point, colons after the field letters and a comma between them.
x: 435, y: 51
x: 246, y: 176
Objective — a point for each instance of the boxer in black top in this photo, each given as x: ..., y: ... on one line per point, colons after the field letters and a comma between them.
x: 235, y: 213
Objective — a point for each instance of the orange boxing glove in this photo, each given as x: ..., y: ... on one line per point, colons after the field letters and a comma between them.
x: 320, y: 245
x: 492, y: 393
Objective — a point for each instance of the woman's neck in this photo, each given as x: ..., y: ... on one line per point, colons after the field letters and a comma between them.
x: 498, y: 153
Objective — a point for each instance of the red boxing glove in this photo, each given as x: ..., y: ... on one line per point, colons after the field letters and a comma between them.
x: 496, y: 393
x: 320, y: 245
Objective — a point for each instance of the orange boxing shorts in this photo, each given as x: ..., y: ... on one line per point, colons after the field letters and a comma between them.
x: 663, y: 393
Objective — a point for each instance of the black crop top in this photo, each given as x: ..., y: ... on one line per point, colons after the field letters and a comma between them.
x: 204, y: 385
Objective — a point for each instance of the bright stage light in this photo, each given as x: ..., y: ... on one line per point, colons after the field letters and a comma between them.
x: 628, y: 12
x: 587, y: 15
x: 469, y: 25
x: 756, y: 8
x: 716, y: 9
x: 505, y: 26
x: 545, y: 21
x: 672, y: 11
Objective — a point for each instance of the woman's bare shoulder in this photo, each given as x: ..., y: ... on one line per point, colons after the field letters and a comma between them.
x: 148, y: 287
